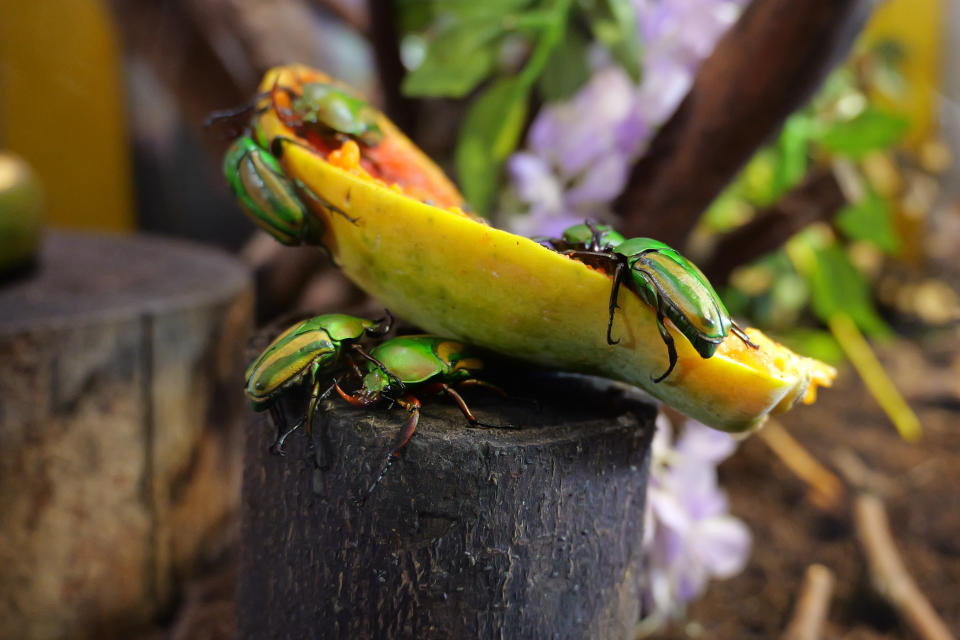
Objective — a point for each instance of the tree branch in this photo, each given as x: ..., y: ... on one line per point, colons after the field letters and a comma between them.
x: 817, y: 198
x: 764, y: 68
x: 386, y: 50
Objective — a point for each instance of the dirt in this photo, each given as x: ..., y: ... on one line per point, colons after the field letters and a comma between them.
x: 918, y: 483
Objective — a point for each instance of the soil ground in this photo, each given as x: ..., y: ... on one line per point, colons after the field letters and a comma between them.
x: 918, y: 483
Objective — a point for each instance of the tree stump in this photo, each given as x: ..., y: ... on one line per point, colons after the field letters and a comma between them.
x: 120, y: 361
x: 532, y: 532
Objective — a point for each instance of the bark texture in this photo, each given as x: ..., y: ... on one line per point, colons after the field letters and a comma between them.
x: 532, y: 532
x: 119, y: 406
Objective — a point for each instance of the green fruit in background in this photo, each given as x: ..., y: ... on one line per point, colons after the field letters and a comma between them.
x: 21, y: 213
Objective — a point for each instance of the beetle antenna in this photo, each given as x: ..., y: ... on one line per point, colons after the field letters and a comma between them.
x: 233, y: 113
x: 740, y: 333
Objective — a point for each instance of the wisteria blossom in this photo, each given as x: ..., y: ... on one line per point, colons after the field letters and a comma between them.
x: 579, y: 152
x: 690, y: 536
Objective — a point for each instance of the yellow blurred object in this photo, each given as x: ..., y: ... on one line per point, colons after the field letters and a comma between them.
x: 858, y: 350
x: 21, y: 213
x: 916, y: 25
x: 457, y: 277
x: 62, y: 108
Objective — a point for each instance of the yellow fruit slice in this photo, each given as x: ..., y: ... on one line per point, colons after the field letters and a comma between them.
x: 455, y: 276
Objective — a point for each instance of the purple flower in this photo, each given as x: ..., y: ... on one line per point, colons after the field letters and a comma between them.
x: 579, y: 154
x: 580, y: 151
x: 689, y: 537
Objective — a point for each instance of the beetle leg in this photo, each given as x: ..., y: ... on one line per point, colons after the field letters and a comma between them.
x: 323, y: 203
x: 276, y: 417
x: 277, y: 447
x: 384, y: 325
x: 483, y: 384
x: 411, y: 404
x: 594, y: 235
x: 233, y: 113
x: 442, y: 387
x: 621, y: 264
x: 356, y: 399
x: 316, y: 398
x: 667, y: 340
x: 740, y: 333
x: 614, y: 293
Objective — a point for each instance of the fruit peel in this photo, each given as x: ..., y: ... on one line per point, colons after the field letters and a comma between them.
x: 453, y: 275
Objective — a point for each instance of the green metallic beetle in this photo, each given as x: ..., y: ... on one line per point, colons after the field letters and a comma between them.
x: 675, y: 287
x: 326, y: 110
x: 309, y: 350
x: 269, y: 197
x: 583, y: 237
x: 428, y: 362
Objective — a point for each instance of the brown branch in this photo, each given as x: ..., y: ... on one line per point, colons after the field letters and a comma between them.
x: 764, y: 68
x: 812, y: 605
x: 353, y: 14
x: 386, y: 50
x: 817, y: 198
x: 888, y: 574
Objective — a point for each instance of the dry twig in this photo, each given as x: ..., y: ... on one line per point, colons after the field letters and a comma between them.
x: 812, y: 605
x: 888, y: 574
x: 826, y: 489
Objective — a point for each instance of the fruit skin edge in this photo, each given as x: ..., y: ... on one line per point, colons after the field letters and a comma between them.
x: 457, y: 277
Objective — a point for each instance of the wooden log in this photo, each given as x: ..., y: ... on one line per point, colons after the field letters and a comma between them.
x: 473, y: 533
x: 120, y: 361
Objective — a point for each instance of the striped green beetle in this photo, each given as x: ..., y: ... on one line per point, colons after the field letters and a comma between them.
x: 308, y: 351
x: 675, y: 287
x: 269, y: 197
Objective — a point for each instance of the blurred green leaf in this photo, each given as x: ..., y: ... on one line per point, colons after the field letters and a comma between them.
x: 837, y: 286
x: 814, y: 343
x: 726, y: 212
x: 457, y: 60
x: 756, y: 181
x: 468, y: 10
x: 566, y: 69
x: 871, y: 220
x: 792, y: 148
x: 873, y: 129
x: 489, y: 134
x: 614, y: 23
x: 412, y: 15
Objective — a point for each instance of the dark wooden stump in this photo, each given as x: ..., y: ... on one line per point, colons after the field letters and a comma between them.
x: 120, y: 361
x: 473, y: 533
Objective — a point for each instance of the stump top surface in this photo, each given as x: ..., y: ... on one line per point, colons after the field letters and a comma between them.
x: 81, y: 276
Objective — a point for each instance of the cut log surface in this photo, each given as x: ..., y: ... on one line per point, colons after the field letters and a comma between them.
x: 531, y: 532
x: 120, y: 361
